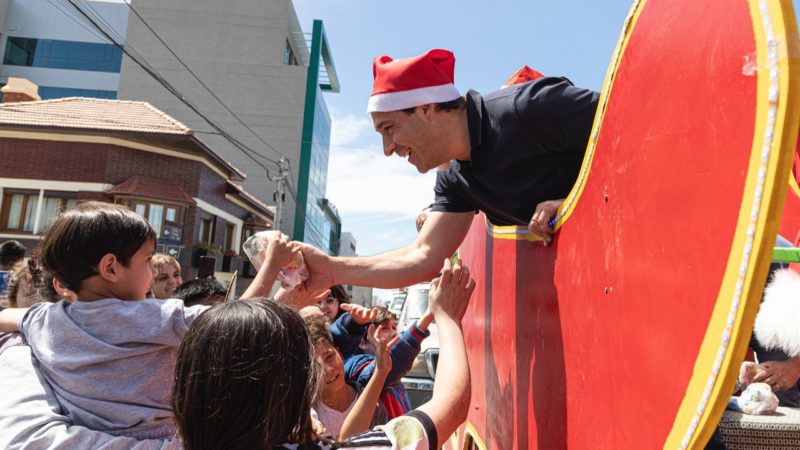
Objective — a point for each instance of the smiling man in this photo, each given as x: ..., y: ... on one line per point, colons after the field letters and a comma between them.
x: 513, y: 154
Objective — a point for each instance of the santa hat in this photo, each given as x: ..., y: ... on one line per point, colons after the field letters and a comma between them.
x: 777, y: 324
x: 409, y: 82
x: 521, y: 76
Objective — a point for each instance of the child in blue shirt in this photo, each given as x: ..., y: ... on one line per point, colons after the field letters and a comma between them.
x: 349, y: 335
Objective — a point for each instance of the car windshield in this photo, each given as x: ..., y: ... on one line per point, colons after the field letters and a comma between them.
x: 417, y: 304
x: 397, y: 304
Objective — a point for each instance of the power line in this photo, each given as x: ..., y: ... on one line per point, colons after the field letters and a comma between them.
x: 75, y: 19
x: 279, y: 154
x: 174, y: 91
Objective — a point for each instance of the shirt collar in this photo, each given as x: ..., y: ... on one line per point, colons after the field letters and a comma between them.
x: 474, y: 124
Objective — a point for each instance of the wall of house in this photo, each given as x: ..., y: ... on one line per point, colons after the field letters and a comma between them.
x: 106, y: 165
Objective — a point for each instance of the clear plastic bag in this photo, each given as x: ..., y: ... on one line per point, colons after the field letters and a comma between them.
x: 758, y: 399
x: 290, y: 275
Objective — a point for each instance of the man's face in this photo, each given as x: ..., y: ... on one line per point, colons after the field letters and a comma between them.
x: 412, y: 136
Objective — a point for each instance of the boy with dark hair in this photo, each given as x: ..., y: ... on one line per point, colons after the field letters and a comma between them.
x: 359, y: 357
x: 11, y: 255
x: 109, y: 356
x: 201, y: 291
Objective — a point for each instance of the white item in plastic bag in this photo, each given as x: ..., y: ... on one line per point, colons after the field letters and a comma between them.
x: 290, y: 275
x: 758, y: 399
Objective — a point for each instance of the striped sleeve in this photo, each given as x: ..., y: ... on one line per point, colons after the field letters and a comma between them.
x: 413, y: 431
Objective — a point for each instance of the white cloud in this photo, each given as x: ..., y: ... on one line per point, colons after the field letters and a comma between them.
x: 361, y: 180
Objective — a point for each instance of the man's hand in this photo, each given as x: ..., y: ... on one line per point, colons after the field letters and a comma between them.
x: 298, y: 298
x: 780, y: 375
x: 360, y: 314
x: 450, y: 293
x: 320, y: 270
x: 539, y: 224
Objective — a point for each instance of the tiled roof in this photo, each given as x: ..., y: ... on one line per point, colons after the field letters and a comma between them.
x: 251, y: 198
x: 92, y: 114
x: 150, y: 187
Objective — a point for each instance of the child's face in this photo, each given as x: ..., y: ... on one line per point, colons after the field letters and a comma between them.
x: 330, y: 360
x: 329, y: 307
x: 386, y: 334
x: 137, y: 276
x: 389, y: 331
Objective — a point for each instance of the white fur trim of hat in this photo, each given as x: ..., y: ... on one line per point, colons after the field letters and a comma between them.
x: 777, y: 324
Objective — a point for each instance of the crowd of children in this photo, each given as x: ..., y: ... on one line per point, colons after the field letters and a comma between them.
x: 250, y: 373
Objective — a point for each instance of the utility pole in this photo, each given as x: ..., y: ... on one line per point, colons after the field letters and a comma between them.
x: 280, y: 194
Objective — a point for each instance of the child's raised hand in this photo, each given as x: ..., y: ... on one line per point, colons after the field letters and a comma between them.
x: 382, y: 346
x: 450, y: 293
x: 279, y: 249
x: 360, y: 314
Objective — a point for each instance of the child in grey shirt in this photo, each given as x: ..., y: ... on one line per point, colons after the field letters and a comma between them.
x: 110, y: 355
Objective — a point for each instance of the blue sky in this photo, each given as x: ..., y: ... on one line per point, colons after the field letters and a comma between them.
x: 379, y: 197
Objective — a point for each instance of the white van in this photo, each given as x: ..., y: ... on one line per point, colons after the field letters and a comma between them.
x: 419, y: 380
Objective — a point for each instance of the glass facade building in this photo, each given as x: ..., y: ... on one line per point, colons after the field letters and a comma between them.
x: 53, y: 47
x: 320, y: 227
x: 56, y: 54
x: 316, y: 219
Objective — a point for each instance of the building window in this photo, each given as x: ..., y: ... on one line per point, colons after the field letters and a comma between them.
x: 229, y: 232
x: 288, y: 56
x: 166, y: 219
x: 56, y: 54
x: 52, y: 207
x: 19, y: 210
x: 205, y: 231
x: 51, y: 92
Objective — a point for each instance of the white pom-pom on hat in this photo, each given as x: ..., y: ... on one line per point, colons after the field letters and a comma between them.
x: 777, y: 324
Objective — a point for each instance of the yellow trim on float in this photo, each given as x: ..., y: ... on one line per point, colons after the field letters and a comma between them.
x: 510, y: 232
x: 571, y: 201
x: 728, y: 333
x: 793, y: 185
x: 471, y: 434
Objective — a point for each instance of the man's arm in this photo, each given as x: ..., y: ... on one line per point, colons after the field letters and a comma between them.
x: 439, y: 238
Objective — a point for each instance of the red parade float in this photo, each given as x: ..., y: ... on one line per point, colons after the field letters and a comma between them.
x: 628, y: 331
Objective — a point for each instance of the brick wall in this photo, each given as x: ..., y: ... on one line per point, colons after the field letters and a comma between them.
x: 124, y: 163
x: 47, y: 160
x: 112, y: 164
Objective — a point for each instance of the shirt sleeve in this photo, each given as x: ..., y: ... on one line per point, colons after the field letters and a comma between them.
x: 557, y: 114
x: 359, y: 369
x: 347, y: 334
x: 446, y: 196
x: 412, y: 431
x: 35, y: 313
x: 190, y: 313
x: 404, y: 352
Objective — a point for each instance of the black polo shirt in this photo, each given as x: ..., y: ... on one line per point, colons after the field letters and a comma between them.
x: 528, y: 142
